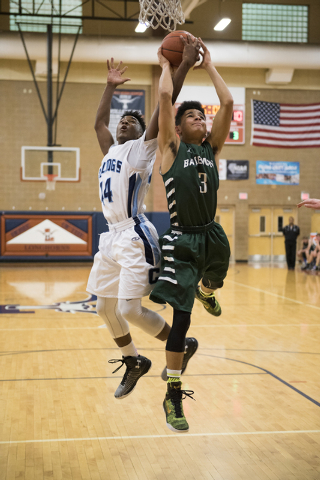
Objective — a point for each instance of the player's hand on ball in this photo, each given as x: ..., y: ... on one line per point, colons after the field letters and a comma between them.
x: 206, y: 57
x: 162, y: 60
x: 191, y: 49
x: 115, y: 73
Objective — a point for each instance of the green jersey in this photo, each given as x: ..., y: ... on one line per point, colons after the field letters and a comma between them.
x: 191, y: 185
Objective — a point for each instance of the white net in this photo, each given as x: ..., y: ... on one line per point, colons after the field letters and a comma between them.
x: 51, y: 181
x: 161, y: 13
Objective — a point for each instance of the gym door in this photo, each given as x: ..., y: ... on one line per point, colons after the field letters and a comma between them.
x: 225, y: 216
x: 315, y: 222
x: 266, y: 241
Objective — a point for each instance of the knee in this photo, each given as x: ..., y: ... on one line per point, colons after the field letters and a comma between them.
x: 180, y: 327
x: 210, y: 284
x: 148, y: 320
x: 130, y: 309
x: 100, y: 307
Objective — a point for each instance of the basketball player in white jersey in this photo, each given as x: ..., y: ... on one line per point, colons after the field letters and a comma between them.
x: 127, y: 264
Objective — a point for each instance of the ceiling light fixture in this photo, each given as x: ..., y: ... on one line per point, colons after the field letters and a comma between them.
x: 141, y: 27
x: 224, y: 22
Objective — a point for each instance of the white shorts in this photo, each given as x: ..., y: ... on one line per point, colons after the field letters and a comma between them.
x: 127, y: 264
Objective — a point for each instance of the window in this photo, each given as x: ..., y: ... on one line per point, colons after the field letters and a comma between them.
x: 280, y: 224
x: 262, y: 224
x: 33, y: 22
x: 275, y: 23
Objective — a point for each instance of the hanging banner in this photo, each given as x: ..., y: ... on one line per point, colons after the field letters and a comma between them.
x: 277, y: 173
x: 46, y: 235
x: 237, y: 169
x: 123, y: 100
x: 233, y: 169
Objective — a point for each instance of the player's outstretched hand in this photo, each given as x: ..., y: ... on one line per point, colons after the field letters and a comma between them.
x: 191, y: 48
x: 115, y: 74
x: 310, y: 203
x: 162, y: 60
x: 206, y: 57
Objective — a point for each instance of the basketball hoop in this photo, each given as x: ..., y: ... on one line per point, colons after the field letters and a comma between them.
x: 51, y: 181
x: 164, y: 13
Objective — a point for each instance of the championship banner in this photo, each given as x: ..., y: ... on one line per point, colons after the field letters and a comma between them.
x: 46, y: 236
x: 277, y: 173
x: 123, y: 100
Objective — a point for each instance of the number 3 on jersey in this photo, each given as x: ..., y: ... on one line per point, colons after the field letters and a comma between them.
x: 203, y: 181
x: 105, y: 190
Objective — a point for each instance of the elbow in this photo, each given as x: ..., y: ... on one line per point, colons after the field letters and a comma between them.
x: 229, y: 102
x: 165, y: 95
x: 97, y: 125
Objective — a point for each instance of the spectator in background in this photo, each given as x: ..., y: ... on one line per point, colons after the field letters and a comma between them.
x: 303, y: 252
x: 313, y: 255
x: 291, y: 232
x: 310, y: 203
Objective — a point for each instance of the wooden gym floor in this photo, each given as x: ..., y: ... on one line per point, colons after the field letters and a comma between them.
x: 256, y: 378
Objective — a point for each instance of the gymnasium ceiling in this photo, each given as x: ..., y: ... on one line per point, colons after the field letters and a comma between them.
x: 227, y: 47
x: 203, y: 15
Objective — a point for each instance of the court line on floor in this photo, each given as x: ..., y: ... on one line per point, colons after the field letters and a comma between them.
x: 172, y: 435
x: 267, y: 371
x: 119, y: 376
x: 262, y: 325
x: 274, y: 295
x: 21, y: 352
x: 45, y: 328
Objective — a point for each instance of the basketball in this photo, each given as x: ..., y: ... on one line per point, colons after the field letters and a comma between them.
x: 172, y: 46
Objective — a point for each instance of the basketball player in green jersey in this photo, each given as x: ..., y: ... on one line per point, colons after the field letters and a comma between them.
x: 195, y: 248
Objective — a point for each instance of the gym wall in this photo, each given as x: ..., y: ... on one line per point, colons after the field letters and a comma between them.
x: 22, y: 123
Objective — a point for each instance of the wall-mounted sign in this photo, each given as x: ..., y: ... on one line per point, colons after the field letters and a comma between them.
x: 277, y: 173
x: 233, y: 169
x: 46, y: 236
x: 237, y: 169
x: 305, y: 196
x: 243, y: 196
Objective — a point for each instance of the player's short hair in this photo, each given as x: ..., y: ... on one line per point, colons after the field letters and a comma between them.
x: 137, y: 115
x: 188, y: 105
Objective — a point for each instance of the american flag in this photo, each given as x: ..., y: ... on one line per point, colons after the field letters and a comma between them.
x: 283, y: 125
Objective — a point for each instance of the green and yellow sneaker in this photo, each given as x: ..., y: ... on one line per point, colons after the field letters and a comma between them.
x: 172, y: 405
x: 209, y: 302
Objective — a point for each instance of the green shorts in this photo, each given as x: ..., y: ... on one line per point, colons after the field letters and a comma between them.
x: 186, y: 257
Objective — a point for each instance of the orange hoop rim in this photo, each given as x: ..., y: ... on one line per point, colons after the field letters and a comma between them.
x: 50, y: 177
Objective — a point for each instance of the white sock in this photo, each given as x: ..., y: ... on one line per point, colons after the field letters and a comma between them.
x: 205, y: 294
x: 173, y: 375
x: 129, y: 350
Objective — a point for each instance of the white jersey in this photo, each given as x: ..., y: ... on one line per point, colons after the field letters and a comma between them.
x: 124, y: 178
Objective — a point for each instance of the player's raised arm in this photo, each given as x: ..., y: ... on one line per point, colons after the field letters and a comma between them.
x: 167, y: 138
x: 190, y: 56
x: 115, y: 78
x: 222, y: 120
x: 310, y: 203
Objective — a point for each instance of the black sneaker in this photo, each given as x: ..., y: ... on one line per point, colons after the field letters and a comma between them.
x: 136, y: 367
x: 190, y: 350
x: 172, y: 405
